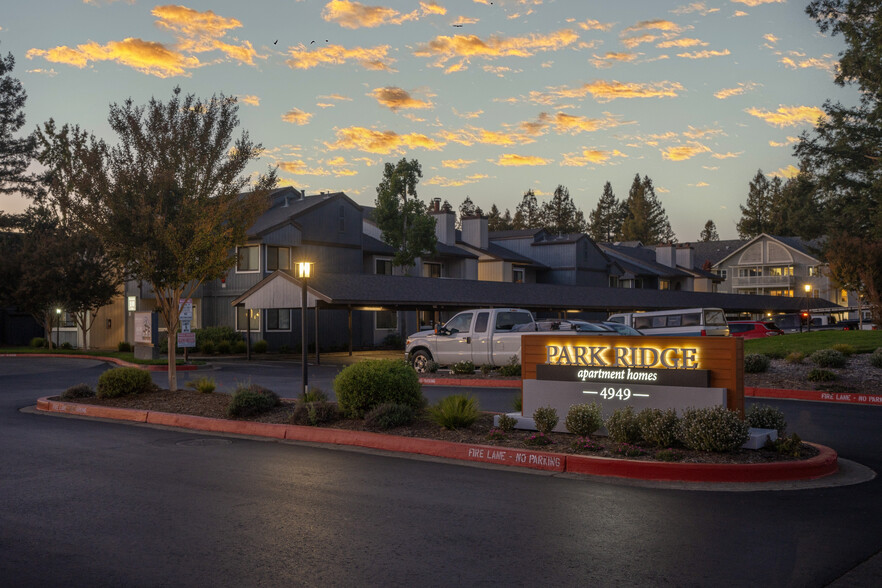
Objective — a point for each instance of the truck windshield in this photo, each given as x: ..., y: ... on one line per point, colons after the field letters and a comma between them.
x: 506, y: 321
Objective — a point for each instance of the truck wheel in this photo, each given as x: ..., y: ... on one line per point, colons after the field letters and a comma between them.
x: 420, y: 361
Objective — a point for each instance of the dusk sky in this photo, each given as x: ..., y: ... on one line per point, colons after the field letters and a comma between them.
x: 493, y: 98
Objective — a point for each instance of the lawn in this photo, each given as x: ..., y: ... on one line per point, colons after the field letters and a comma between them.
x: 808, y: 343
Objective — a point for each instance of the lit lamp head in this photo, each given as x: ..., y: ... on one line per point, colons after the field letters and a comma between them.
x: 304, y: 269
x: 808, y: 288
x: 57, y: 311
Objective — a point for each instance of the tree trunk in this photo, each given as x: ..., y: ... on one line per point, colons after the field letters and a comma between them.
x: 172, y: 358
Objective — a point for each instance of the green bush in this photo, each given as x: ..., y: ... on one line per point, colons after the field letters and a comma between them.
x: 457, y: 411
x: 795, y: 357
x: 203, y: 384
x: 313, y: 394
x: 876, y: 358
x: 388, y: 416
x: 512, y: 368
x: 788, y: 445
x: 756, y: 363
x: 827, y: 358
x: 207, y: 347
x: 432, y: 367
x: 583, y: 419
x: 506, y: 423
x: 215, y: 335
x: 260, y: 346
x: 545, y: 418
x: 314, y: 413
x: 78, y: 391
x: 715, y: 429
x: 362, y: 386
x: 251, y: 399
x: 669, y: 455
x: 844, y: 348
x: 463, y: 368
x: 517, y: 403
x: 622, y: 426
x: 486, y: 369
x: 658, y: 427
x: 763, y: 416
x: 224, y: 347
x: 240, y: 347
x: 122, y: 381
x: 66, y: 345
x: 38, y: 342
x: 820, y: 375
x: 124, y: 347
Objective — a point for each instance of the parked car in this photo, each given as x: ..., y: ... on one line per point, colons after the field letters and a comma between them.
x: 753, y: 329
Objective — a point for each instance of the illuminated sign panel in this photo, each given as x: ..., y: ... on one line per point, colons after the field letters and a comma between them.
x: 644, y: 372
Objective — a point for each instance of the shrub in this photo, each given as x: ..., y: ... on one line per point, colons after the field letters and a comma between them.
x: 38, y: 342
x: 456, y: 411
x: 775, y: 353
x: 545, y: 419
x: 388, y: 416
x: 251, y: 399
x: 876, y: 358
x: 756, y: 363
x: 486, y: 369
x: 622, y: 426
x: 586, y: 444
x: 313, y: 394
x: 820, y: 375
x: 124, y: 347
x: 517, y: 403
x: 788, y: 445
x: 537, y: 439
x: 669, y: 455
x: 66, y: 345
x: 215, y: 335
x: 224, y: 347
x: 512, y: 368
x: 260, y: 346
x: 203, y: 384
x: 827, y: 358
x: 583, y: 419
x: 795, y: 357
x: 495, y: 434
x: 366, y: 384
x: 628, y: 450
x: 122, y: 381
x: 207, y: 348
x: 314, y: 413
x: 463, y: 367
x: 240, y: 347
x: 432, y: 366
x: 658, y: 427
x: 506, y: 423
x: 763, y: 416
x: 78, y: 391
x: 393, y: 341
x: 716, y: 429
x: 844, y: 348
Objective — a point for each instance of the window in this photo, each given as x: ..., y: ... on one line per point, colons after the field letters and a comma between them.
x: 674, y: 320
x: 658, y: 322
x: 249, y: 259
x: 65, y: 320
x: 784, y: 270
x: 131, y: 303
x: 383, y: 267
x: 814, y: 271
x: 715, y: 317
x: 387, y: 319
x: 664, y: 284
x: 242, y: 320
x: 277, y: 258
x: 693, y: 319
x: 461, y: 323
x: 506, y: 321
x: 788, y: 293
x: 614, y: 281
x: 642, y: 322
x: 723, y: 273
x: 431, y: 270
x: 517, y: 275
x: 278, y: 319
x: 481, y: 322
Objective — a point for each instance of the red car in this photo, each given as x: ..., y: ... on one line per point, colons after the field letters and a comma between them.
x: 753, y: 329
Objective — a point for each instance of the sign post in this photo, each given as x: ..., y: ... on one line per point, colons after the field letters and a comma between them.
x: 186, y: 339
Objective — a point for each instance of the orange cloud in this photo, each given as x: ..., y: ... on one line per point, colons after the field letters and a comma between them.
x: 655, y: 25
x: 374, y: 58
x: 791, y: 171
x: 698, y: 7
x: 464, y: 20
x: 590, y: 156
x: 199, y: 32
x: 729, y: 92
x: 704, y: 54
x: 729, y: 155
x: 454, y: 182
x: 300, y: 168
x: 354, y: 15
x: 297, y: 116
x: 684, y: 152
x: 144, y: 56
x: 631, y: 42
x: 249, y: 99
x: 396, y: 98
x: 826, y: 64
x: 573, y: 124
x: 612, y: 57
x: 789, y: 141
x: 604, y: 91
x: 382, y: 142
x: 471, y: 135
x: 475, y: 114
x: 788, y: 116
x: 443, y: 49
x: 595, y: 25
x: 682, y: 43
x: 511, y: 159
x: 753, y: 3
x: 432, y: 8
x: 457, y: 163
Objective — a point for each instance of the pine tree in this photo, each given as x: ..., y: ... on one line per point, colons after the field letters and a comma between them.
x: 605, y: 221
x: 528, y: 214
x: 15, y: 153
x: 709, y: 232
x: 560, y: 214
x: 645, y: 218
x: 797, y: 212
x: 660, y: 226
x: 756, y: 216
x: 467, y: 208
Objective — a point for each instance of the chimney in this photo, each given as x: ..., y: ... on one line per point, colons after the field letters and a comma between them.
x: 445, y: 226
x: 664, y: 254
x: 436, y: 205
x: 685, y: 256
x: 474, y: 231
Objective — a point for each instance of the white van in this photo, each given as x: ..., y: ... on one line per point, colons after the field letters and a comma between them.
x: 684, y: 322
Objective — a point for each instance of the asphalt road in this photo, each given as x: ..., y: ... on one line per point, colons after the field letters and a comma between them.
x: 91, y: 503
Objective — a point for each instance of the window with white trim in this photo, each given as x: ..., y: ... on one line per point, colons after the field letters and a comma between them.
x: 383, y: 266
x: 248, y: 259
x: 517, y: 275
x: 386, y: 320
x: 431, y: 270
x: 242, y: 318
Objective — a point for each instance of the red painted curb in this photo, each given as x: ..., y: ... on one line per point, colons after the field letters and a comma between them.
x: 815, y: 395
x: 822, y: 465
x: 472, y: 382
x: 140, y: 366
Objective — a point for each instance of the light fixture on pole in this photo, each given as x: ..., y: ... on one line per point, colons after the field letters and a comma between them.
x: 304, y: 271
x: 57, y: 327
x: 808, y: 312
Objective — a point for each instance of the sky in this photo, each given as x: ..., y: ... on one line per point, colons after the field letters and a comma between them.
x: 492, y: 98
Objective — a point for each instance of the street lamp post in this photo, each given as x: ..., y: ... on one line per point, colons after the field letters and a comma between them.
x: 57, y: 327
x: 304, y: 270
x: 808, y: 312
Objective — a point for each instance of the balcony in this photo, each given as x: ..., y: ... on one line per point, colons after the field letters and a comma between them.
x: 765, y: 282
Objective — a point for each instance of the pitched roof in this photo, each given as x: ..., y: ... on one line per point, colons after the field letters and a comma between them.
x: 639, y: 260
x: 281, y: 214
x: 715, y: 251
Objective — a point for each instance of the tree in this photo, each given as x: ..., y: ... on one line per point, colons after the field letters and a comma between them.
x: 467, y: 208
x: 168, y: 202
x: 401, y: 216
x: 560, y: 215
x: 645, y: 219
x: 756, y: 216
x: 497, y: 221
x: 15, y: 153
x: 796, y: 211
x: 527, y: 214
x: 709, y: 232
x: 605, y: 221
